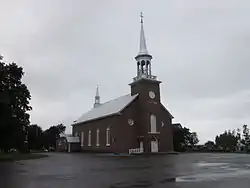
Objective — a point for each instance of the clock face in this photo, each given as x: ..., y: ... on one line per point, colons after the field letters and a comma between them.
x: 151, y: 94
x: 130, y: 122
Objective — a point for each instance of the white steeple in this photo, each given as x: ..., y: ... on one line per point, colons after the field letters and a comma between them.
x: 143, y: 45
x: 97, y: 98
x: 143, y: 58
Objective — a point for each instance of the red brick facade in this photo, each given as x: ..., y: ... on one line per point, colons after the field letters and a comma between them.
x: 124, y: 136
x: 130, y: 128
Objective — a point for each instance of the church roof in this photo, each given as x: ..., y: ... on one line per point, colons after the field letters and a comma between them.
x: 109, y: 108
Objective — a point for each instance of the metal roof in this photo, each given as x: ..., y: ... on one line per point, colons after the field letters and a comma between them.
x: 109, y: 108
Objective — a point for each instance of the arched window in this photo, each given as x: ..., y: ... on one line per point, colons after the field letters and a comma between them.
x: 89, y: 138
x: 108, y: 136
x: 97, y: 137
x: 142, y: 66
x: 138, y: 68
x: 153, y: 123
x: 82, y: 138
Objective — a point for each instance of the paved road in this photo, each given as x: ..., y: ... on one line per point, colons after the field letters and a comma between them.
x: 97, y: 171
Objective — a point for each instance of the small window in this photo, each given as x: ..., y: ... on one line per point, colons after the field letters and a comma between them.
x: 97, y: 138
x: 89, y: 138
x: 82, y: 138
x: 108, y: 136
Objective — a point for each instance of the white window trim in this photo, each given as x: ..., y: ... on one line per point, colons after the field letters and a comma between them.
x: 154, y: 132
x: 97, y: 137
x: 108, y: 136
x: 153, y: 123
x: 82, y: 139
x: 89, y: 138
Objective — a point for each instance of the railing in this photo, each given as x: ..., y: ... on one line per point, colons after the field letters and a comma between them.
x: 136, y: 150
x: 145, y: 76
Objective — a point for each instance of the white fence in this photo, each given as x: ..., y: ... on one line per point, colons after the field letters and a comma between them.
x: 136, y: 150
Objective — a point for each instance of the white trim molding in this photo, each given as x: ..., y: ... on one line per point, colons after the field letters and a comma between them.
x: 82, y: 139
x: 153, y: 124
x: 108, y: 137
x: 154, y: 133
x: 89, y: 138
x: 97, y: 137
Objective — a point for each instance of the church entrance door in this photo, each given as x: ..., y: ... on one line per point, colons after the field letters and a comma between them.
x: 141, y: 146
x: 154, y: 146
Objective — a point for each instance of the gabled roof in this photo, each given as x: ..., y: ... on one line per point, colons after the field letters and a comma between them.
x: 167, y: 111
x: 111, y: 107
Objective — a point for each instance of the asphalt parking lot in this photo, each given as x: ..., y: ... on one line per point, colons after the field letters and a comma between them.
x: 77, y: 170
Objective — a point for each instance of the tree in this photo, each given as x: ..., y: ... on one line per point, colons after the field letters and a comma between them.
x: 35, y: 137
x: 13, y: 106
x: 246, y: 133
x: 193, y: 138
x: 228, y: 140
x: 50, y: 135
x: 182, y: 137
x: 238, y: 133
x: 209, y: 145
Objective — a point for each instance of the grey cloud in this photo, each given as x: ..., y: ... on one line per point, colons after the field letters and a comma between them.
x: 200, y: 52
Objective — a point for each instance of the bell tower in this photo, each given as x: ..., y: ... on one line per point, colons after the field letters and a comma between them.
x: 145, y: 83
x: 150, y: 111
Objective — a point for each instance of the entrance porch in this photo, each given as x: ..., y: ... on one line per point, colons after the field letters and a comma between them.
x: 152, y: 146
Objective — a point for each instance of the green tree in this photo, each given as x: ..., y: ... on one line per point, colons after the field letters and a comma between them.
x: 14, y: 105
x: 34, y: 137
x: 193, y: 138
x: 246, y: 133
x: 50, y: 135
x: 228, y: 140
x: 209, y: 144
x: 183, y: 138
x: 238, y: 133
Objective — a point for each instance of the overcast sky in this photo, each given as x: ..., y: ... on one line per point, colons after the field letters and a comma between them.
x: 200, y: 52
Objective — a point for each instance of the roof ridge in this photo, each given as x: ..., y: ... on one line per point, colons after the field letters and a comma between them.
x: 110, y: 107
x: 112, y: 100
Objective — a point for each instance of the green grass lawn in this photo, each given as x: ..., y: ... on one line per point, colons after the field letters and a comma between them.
x: 19, y: 156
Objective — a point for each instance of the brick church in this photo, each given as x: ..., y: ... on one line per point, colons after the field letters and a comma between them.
x: 134, y: 123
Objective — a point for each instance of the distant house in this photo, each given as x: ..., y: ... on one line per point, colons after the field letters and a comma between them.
x: 68, y: 143
x: 177, y: 126
x: 133, y: 123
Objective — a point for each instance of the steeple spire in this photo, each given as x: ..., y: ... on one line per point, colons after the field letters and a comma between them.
x: 143, y: 46
x: 143, y: 58
x: 97, y: 98
x: 97, y: 91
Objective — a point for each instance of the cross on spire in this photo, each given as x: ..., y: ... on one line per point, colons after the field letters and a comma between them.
x: 143, y: 58
x: 141, y: 17
x: 143, y: 46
